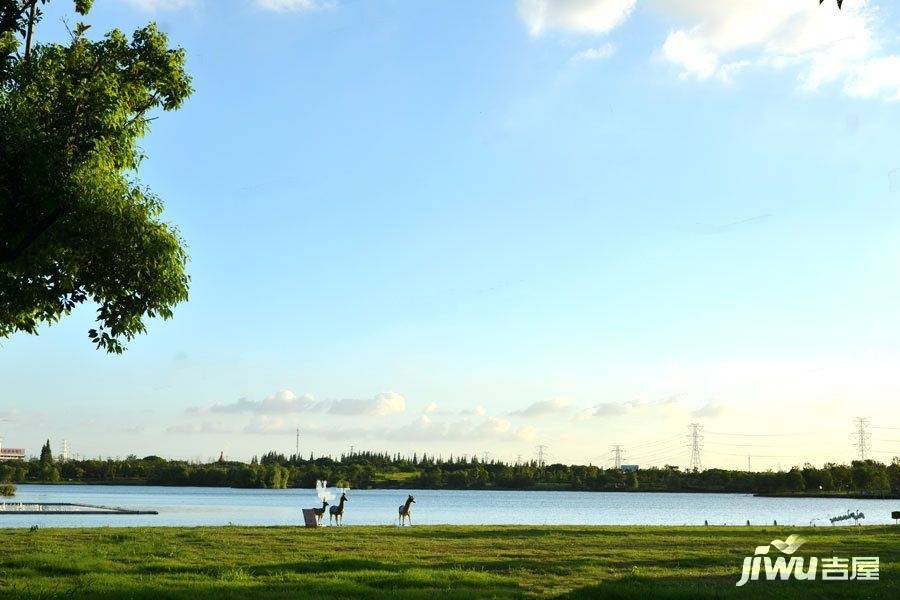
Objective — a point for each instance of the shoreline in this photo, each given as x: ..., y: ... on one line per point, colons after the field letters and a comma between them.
x: 849, y: 495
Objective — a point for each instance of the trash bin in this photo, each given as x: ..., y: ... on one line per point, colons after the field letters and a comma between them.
x: 309, y: 518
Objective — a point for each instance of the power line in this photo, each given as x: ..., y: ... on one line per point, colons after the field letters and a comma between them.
x: 756, y: 455
x: 792, y: 434
x: 658, y: 452
x: 660, y: 442
x: 646, y: 458
x: 741, y: 445
x: 670, y: 458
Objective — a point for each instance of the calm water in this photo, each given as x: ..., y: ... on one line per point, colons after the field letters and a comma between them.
x: 220, y: 506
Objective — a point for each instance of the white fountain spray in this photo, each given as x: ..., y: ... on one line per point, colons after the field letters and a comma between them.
x: 323, y: 492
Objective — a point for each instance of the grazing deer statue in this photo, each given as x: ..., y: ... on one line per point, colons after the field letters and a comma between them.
x: 406, y: 510
x: 336, y: 513
x: 320, y: 512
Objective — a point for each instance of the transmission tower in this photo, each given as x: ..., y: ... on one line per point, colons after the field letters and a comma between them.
x: 540, y: 457
x: 297, y: 445
x: 862, y: 436
x: 64, y: 452
x: 696, y: 435
x: 618, y: 453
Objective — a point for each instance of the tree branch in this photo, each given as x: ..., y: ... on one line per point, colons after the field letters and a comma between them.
x: 140, y: 112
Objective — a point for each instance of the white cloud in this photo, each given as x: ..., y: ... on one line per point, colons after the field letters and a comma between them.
x: 287, y: 402
x: 478, y: 411
x: 430, y: 408
x: 617, y: 409
x: 382, y: 405
x: 10, y: 414
x: 494, y: 426
x: 527, y: 433
x: 690, y: 54
x: 715, y: 39
x: 425, y: 429
x: 268, y: 424
x: 585, y: 16
x: 820, y: 38
x: 194, y: 428
x: 823, y: 44
x: 712, y: 409
x: 604, y: 409
x: 544, y: 407
x: 282, y: 402
x: 422, y: 429
x: 878, y: 77
x: 593, y: 54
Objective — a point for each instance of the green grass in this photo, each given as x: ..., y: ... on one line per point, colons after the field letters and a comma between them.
x: 424, y: 562
x: 397, y: 477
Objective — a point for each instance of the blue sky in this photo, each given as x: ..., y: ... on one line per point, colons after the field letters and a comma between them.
x: 477, y: 227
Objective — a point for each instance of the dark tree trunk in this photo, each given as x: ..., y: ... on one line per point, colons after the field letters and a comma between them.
x: 31, y: 12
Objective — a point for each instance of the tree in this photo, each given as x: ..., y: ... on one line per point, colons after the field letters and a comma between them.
x: 75, y: 224
x: 633, y: 480
x: 46, y: 454
x: 47, y: 470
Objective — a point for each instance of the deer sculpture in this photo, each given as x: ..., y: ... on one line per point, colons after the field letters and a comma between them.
x: 336, y: 513
x: 406, y: 510
x: 320, y: 512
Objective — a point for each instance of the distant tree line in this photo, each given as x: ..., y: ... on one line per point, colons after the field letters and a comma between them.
x: 378, y: 470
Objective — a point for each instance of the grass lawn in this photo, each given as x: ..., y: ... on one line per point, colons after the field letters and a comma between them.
x: 424, y: 562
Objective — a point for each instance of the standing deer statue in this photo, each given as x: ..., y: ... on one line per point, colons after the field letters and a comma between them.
x: 406, y: 510
x: 320, y: 512
x: 336, y: 513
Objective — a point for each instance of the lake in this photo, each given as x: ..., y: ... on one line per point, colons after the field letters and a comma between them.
x: 188, y: 506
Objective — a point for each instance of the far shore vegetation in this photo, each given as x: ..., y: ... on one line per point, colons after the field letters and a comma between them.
x: 366, y: 470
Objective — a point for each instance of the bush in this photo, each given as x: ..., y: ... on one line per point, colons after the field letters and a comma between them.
x: 7, y: 490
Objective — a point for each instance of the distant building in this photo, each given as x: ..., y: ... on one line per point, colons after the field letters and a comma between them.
x: 12, y: 454
x: 629, y: 468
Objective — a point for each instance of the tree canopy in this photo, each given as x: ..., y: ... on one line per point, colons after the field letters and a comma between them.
x: 75, y: 223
